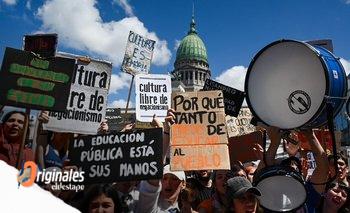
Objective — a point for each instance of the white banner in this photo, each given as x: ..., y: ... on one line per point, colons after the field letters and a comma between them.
x: 87, y: 101
x: 138, y: 54
x: 153, y: 96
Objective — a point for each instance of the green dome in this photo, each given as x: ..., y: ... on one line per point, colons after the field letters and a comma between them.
x: 192, y: 47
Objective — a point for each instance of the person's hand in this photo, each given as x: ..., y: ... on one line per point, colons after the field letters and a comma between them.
x: 43, y: 117
x: 292, y: 149
x: 258, y: 151
x: 128, y: 127
x: 273, y: 132
x: 169, y: 120
x: 103, y: 128
x: 156, y: 122
x: 292, y: 144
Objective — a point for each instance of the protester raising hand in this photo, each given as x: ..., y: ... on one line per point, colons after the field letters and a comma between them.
x: 292, y: 144
x: 103, y: 128
x: 320, y: 174
x: 43, y: 117
x: 275, y: 136
x: 155, y: 122
x: 169, y: 120
x: 128, y: 127
x: 258, y: 151
x: 162, y: 195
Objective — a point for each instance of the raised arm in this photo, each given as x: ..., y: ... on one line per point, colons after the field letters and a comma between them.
x: 169, y: 120
x: 41, y: 141
x: 150, y: 189
x: 320, y: 175
x: 103, y: 128
x: 270, y: 155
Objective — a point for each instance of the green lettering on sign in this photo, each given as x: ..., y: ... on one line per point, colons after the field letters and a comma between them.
x: 30, y: 98
x: 38, y: 63
x: 38, y: 73
x: 36, y: 84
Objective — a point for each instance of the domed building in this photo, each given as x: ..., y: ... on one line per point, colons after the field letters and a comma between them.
x: 191, y: 64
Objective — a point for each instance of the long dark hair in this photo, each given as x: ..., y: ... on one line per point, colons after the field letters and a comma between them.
x: 97, y: 190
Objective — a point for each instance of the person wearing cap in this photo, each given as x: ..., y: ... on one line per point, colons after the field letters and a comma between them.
x: 158, y: 196
x: 242, y: 195
x: 218, y: 201
x: 162, y: 195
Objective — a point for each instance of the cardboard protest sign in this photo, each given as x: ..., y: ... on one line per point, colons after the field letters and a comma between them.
x: 41, y: 44
x: 199, y: 157
x: 119, y: 157
x: 87, y: 100
x: 242, y: 147
x: 233, y: 98
x: 200, y: 121
x: 240, y: 125
x: 153, y: 96
x: 30, y: 82
x: 138, y: 54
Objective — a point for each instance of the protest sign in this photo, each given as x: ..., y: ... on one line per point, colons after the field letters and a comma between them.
x: 41, y: 44
x: 200, y: 123
x: 242, y: 147
x: 199, y: 157
x: 143, y: 125
x: 113, y: 115
x: 117, y: 122
x: 87, y: 100
x: 233, y: 98
x: 311, y: 164
x: 199, y: 118
x: 153, y: 96
x: 119, y: 157
x: 30, y: 82
x: 240, y: 125
x: 138, y: 54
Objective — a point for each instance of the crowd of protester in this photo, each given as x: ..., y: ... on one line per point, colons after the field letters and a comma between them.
x: 204, y: 191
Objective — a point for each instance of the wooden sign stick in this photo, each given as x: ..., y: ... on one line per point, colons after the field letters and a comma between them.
x: 127, y: 103
x: 20, y: 152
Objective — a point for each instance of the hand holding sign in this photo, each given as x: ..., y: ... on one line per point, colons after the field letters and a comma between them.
x: 44, y: 117
x: 128, y: 128
x: 103, y: 128
x: 153, y: 93
x: 169, y: 120
x: 155, y: 122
